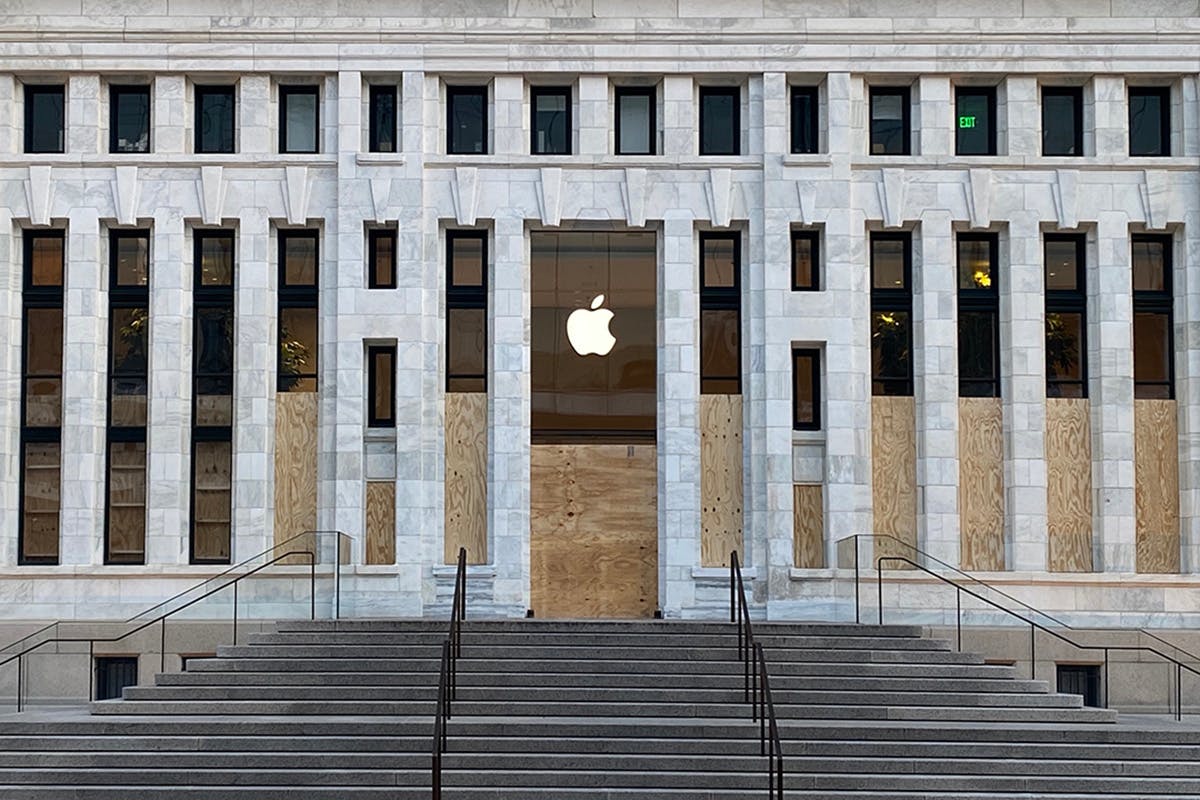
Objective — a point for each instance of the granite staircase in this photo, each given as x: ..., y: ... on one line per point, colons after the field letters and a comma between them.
x: 591, y: 711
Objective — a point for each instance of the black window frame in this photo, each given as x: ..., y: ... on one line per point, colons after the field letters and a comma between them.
x: 375, y: 92
x: 286, y: 92
x: 115, y: 92
x: 536, y: 92
x: 298, y: 296
x: 813, y: 236
x: 32, y: 89
x: 201, y: 91
x: 1076, y: 95
x: 374, y: 421
x: 905, y: 93
x: 466, y: 297
x: 722, y: 298
x: 990, y: 93
x: 1164, y: 118
x: 980, y: 301
x: 812, y: 127
x: 733, y: 92
x: 1149, y: 301
x: 1069, y: 301
x: 900, y: 300
x: 462, y: 90
x: 619, y: 94
x: 373, y: 236
x: 814, y: 354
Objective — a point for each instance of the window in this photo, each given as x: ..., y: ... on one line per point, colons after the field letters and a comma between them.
x: 720, y: 313
x: 975, y: 121
x: 41, y: 397
x: 1153, y: 339
x: 299, y: 119
x: 1062, y: 121
x: 720, y: 120
x: 128, y: 379
x: 45, y: 119
x: 1066, y: 316
x: 381, y: 258
x: 381, y: 386
x: 298, y: 327
x: 804, y: 119
x: 1080, y: 679
x: 806, y: 258
x: 978, y: 315
x: 113, y: 674
x: 382, y: 122
x: 129, y: 119
x: 806, y: 389
x: 891, y: 314
x: 890, y: 126
x: 466, y: 311
x: 1149, y: 121
x: 212, y: 397
x: 215, y: 106
x: 551, y: 109
x: 637, y: 128
x: 466, y: 120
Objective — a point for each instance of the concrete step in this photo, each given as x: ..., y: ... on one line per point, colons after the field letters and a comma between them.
x: 656, y: 627
x: 723, y: 640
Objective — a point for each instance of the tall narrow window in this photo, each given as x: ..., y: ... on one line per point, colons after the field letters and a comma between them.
x: 978, y: 315
x: 129, y: 119
x: 890, y: 121
x: 382, y: 134
x: 381, y: 258
x: 1149, y: 121
x: 41, y: 397
x: 1062, y: 121
x: 806, y: 259
x: 891, y: 314
x: 299, y: 119
x: 128, y: 374
x: 466, y: 120
x: 45, y: 119
x: 1066, y: 316
x: 551, y: 128
x: 215, y: 116
x: 212, y: 398
x: 805, y: 130
x: 636, y: 126
x: 1153, y: 339
x: 298, y: 294
x: 466, y: 311
x: 720, y: 313
x: 381, y: 386
x: 806, y: 389
x: 720, y: 120
x: 975, y: 121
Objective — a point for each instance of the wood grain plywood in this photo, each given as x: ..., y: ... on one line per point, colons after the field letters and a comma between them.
x: 808, y: 530
x: 466, y: 476
x: 1156, y: 465
x: 894, y: 474
x: 1068, y: 485
x: 720, y: 478
x: 295, y: 465
x: 594, y: 530
x: 981, y: 482
x: 381, y: 522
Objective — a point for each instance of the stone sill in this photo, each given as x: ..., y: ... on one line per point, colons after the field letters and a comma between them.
x: 380, y: 159
x: 160, y: 160
x: 473, y: 571
x: 595, y: 161
x: 997, y: 579
x: 1023, y: 163
x: 807, y: 159
x: 722, y: 574
x: 808, y: 437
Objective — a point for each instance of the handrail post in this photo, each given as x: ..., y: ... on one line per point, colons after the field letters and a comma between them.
x: 337, y: 575
x: 879, y: 581
x: 1107, y: 704
x: 857, y: 593
x: 312, y: 583
x: 20, y: 676
x: 1178, y: 692
x: 235, y: 590
x: 732, y: 590
x: 958, y: 602
x: 1032, y: 652
x: 162, y: 647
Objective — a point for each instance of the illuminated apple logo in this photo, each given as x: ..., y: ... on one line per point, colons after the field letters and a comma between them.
x: 587, y: 331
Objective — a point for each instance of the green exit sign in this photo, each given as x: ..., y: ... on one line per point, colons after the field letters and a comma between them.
x: 966, y: 122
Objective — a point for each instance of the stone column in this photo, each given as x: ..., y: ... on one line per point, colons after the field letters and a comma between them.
x: 84, y: 130
x: 510, y: 134
x: 1110, y: 112
x: 679, y: 116
x: 11, y: 109
x: 933, y: 116
x: 256, y: 112
x: 169, y: 115
x: 10, y: 388
x: 1024, y: 123
x: 1187, y: 386
x: 595, y: 116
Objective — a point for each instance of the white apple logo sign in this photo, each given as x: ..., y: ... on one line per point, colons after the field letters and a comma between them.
x: 587, y: 331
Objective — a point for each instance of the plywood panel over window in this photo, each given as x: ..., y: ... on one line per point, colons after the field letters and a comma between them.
x: 1156, y: 454
x: 295, y: 463
x: 894, y: 474
x: 720, y: 478
x: 981, y: 482
x: 466, y: 476
x: 1069, y: 485
x: 381, y: 522
x: 808, y: 514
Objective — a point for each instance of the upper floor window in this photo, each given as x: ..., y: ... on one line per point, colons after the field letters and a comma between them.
x: 890, y: 121
x: 382, y: 134
x: 129, y: 123
x: 381, y: 258
x: 1066, y: 315
x: 1149, y: 121
x: 806, y: 248
x: 1153, y: 339
x: 806, y: 389
x: 636, y: 127
x: 720, y: 120
x: 466, y: 120
x: 215, y: 107
x: 975, y: 121
x: 45, y: 119
x: 299, y: 119
x: 551, y: 123
x: 805, y: 130
x: 381, y: 386
x: 978, y: 315
x: 891, y: 314
x: 1062, y: 121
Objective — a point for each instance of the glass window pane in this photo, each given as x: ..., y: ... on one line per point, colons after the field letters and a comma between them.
x: 1149, y: 265
x: 211, y: 501
x: 1064, y: 347
x: 977, y: 367
x: 720, y: 262
x: 887, y: 263
x: 804, y: 266
x: 45, y: 116
x: 297, y: 350
x: 383, y: 369
x: 466, y: 336
x: 300, y: 260
x: 889, y: 114
x: 214, y: 119
x: 719, y: 338
x: 551, y: 114
x: 804, y: 391
x: 214, y: 341
x: 635, y: 113
x: 300, y: 118
x: 1062, y: 265
x: 1148, y: 110
x: 43, y: 367
x: 466, y: 261
x: 973, y: 123
x: 975, y: 268
x: 383, y: 259
x: 129, y: 353
x: 719, y: 132
x: 891, y: 333
x: 216, y: 261
x: 130, y: 120
x: 804, y: 120
x: 40, y: 496
x: 126, y: 502
x: 1060, y: 124
x: 132, y: 260
x: 468, y: 121
x: 383, y: 119
x: 46, y: 267
x: 1152, y: 347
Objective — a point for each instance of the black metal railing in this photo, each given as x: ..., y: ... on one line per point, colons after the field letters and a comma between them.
x: 757, y: 684
x: 448, y: 672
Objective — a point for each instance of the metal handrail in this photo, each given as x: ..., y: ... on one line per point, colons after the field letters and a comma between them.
x: 448, y: 672
x: 769, y: 727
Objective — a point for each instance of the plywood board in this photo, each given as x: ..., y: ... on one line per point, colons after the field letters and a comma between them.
x: 466, y: 476
x: 594, y: 530
x: 295, y: 463
x: 381, y: 522
x: 1068, y: 485
x: 720, y: 478
x: 981, y: 482
x: 1156, y: 470
x: 808, y: 530
x: 894, y: 474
